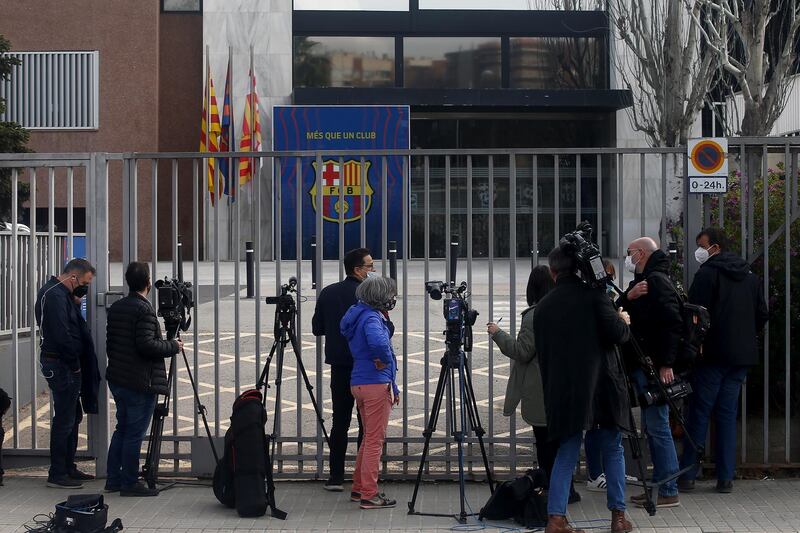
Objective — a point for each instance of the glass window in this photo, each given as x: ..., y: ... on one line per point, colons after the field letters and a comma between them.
x: 558, y: 63
x: 191, y: 6
x: 451, y: 62
x: 344, y: 61
x: 351, y: 5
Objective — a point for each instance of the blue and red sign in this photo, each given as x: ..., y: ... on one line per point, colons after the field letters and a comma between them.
x: 351, y: 184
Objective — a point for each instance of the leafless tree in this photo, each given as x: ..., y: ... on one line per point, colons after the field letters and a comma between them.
x: 755, y: 44
x: 662, y: 65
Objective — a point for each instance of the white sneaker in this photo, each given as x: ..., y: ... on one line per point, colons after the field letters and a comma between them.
x: 597, y: 485
x: 631, y: 479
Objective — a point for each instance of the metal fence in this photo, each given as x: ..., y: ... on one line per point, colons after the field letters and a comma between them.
x: 524, y: 198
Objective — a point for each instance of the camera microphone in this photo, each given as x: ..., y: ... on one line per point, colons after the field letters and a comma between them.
x: 292, y: 281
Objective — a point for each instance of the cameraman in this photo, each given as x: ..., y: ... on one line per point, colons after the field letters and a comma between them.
x: 333, y: 303
x: 136, y: 374
x: 575, y: 330
x: 656, y: 323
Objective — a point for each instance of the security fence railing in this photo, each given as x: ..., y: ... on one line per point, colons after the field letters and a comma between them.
x: 496, y: 202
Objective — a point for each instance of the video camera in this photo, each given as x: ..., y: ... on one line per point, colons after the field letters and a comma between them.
x: 175, y: 302
x: 286, y: 307
x: 587, y: 255
x: 656, y: 395
x: 457, y: 313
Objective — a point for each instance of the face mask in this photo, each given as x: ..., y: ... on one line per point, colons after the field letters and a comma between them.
x: 630, y: 266
x: 80, y: 291
x: 701, y: 255
x: 371, y: 274
x: 390, y: 304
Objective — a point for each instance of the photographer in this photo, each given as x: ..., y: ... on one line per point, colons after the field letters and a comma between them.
x: 576, y: 329
x: 734, y: 297
x: 136, y: 374
x: 373, y: 382
x: 525, y: 379
x: 333, y: 303
x: 657, y: 325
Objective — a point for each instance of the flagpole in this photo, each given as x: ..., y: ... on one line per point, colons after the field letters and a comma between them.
x: 231, y: 245
x: 252, y: 127
x: 204, y: 162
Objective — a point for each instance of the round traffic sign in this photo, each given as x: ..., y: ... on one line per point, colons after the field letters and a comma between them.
x: 708, y: 157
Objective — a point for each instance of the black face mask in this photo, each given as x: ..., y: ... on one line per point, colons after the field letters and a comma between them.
x: 80, y: 291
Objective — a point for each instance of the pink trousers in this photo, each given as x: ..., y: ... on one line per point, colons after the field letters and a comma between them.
x: 374, y: 404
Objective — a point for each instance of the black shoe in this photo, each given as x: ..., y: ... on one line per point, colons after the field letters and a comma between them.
x: 333, y: 486
x: 111, y: 488
x: 1, y: 481
x: 140, y: 489
x: 63, y: 483
x: 574, y: 497
x: 725, y: 487
x: 80, y: 476
x: 685, y: 485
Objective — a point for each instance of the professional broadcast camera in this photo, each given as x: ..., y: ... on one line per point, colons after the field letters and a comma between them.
x: 655, y: 395
x: 286, y: 307
x: 590, y: 264
x: 457, y: 313
x: 175, y: 302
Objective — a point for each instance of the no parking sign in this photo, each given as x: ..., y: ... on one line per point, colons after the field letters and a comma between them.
x: 708, y: 165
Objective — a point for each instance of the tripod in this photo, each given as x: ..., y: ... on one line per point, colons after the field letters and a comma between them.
x: 151, y: 462
x: 285, y: 320
x: 454, y: 364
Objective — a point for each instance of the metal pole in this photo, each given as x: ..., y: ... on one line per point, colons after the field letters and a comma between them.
x: 314, y: 259
x: 248, y: 254
x: 393, y: 260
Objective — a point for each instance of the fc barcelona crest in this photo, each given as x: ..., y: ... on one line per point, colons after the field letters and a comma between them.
x: 348, y: 199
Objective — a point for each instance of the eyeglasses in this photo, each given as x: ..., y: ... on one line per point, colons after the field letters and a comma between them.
x: 370, y: 266
x: 631, y: 252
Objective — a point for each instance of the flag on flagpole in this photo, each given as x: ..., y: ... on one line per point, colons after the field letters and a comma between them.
x: 209, y: 135
x: 227, y: 141
x: 251, y: 132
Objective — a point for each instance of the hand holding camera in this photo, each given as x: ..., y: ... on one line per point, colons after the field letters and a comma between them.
x: 623, y: 314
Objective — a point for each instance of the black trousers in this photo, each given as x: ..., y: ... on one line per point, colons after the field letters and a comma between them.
x: 343, y: 402
x: 546, y: 451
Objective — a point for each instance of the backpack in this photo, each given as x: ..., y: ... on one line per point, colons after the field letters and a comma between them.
x: 243, y: 477
x: 524, y: 499
x: 696, y: 321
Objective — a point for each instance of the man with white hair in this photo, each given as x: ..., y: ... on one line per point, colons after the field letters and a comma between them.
x: 655, y: 310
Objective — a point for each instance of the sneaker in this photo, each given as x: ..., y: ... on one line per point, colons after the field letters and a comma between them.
x: 685, y: 485
x: 80, y: 476
x: 631, y: 479
x: 378, y: 502
x: 355, y: 496
x: 597, y: 485
x: 661, y: 502
x: 574, y: 497
x: 139, y: 489
x: 333, y: 486
x: 63, y: 483
x: 725, y: 487
x: 111, y: 488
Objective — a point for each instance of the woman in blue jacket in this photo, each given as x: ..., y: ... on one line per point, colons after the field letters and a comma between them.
x: 368, y: 331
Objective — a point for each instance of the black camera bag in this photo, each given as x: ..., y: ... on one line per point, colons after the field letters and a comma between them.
x: 524, y: 499
x: 241, y: 477
x: 81, y: 513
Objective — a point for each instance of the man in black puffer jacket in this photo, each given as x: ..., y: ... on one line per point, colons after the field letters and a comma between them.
x: 136, y: 374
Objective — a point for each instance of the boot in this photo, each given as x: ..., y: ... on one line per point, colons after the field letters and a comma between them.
x: 619, y: 524
x: 559, y: 524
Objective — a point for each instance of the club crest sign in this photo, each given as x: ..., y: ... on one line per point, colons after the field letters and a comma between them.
x: 341, y: 189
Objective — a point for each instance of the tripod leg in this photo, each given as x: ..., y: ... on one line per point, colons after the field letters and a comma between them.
x: 264, y: 378
x: 153, y: 458
x: 309, y: 387
x: 428, y: 433
x: 475, y: 422
x: 201, y: 409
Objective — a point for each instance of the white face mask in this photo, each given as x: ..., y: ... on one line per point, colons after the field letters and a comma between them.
x: 701, y: 255
x: 371, y: 274
x: 630, y: 266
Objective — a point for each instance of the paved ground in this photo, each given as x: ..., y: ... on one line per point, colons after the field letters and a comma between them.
x: 754, y: 506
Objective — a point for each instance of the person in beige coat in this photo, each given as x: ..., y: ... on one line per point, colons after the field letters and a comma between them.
x: 525, y: 379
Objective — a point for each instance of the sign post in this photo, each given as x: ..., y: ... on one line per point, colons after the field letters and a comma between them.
x: 708, y: 165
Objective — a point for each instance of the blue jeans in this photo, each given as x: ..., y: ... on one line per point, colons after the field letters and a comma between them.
x: 609, y: 442
x: 594, y: 455
x: 716, y: 389
x: 65, y: 390
x: 655, y: 423
x: 134, y: 410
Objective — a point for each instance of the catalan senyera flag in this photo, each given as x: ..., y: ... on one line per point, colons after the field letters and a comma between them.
x: 209, y: 136
x: 251, y: 132
x: 227, y: 139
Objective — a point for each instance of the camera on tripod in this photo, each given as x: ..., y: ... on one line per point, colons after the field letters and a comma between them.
x: 175, y: 302
x: 284, y: 298
x: 457, y: 313
x: 579, y: 244
x: 655, y: 395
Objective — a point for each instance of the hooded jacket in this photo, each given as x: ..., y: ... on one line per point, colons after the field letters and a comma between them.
x: 734, y: 297
x: 656, y: 320
x: 369, y: 337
